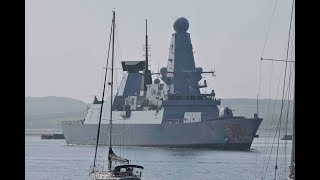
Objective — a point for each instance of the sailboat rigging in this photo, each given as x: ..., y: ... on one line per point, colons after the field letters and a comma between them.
x: 124, y: 171
x: 286, y: 60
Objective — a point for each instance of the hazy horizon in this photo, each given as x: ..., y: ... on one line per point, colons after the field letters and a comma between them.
x: 66, y: 43
x: 91, y: 100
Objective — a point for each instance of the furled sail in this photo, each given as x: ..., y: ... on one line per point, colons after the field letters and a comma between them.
x: 114, y: 157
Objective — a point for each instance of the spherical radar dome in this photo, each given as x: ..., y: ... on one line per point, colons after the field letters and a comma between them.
x: 181, y: 25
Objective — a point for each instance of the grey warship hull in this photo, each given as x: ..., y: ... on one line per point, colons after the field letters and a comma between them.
x: 223, y: 133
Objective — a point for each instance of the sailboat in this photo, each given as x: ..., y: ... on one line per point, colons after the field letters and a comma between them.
x: 291, y: 175
x: 125, y: 170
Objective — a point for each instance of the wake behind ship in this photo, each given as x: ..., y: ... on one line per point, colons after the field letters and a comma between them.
x: 168, y: 112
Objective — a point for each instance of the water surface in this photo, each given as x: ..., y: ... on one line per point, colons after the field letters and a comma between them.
x: 54, y: 159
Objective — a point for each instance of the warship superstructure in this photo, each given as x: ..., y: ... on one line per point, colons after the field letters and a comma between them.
x: 169, y: 111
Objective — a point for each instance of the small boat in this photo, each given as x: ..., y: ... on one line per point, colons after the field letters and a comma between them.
x: 52, y: 136
x: 287, y: 137
x: 125, y: 170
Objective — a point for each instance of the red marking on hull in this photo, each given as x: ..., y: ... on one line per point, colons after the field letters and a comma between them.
x: 235, y: 131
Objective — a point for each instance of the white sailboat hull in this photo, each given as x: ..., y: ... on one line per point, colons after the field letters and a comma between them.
x: 102, y: 175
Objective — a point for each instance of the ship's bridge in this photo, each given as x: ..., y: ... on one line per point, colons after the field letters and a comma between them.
x: 133, y: 66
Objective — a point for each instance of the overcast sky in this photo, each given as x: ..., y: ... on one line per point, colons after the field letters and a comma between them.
x: 66, y: 41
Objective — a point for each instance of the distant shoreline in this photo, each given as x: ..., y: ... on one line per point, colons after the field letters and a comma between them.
x: 42, y: 131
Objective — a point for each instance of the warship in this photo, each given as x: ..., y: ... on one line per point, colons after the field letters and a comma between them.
x: 169, y: 111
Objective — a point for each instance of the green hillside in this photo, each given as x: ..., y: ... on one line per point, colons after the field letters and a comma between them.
x: 48, y: 112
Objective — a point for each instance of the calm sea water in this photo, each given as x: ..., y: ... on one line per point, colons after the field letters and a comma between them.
x: 54, y: 159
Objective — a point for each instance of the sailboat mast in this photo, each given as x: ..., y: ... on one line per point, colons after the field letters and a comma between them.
x: 293, y: 137
x: 111, y: 90
x: 102, y: 101
x: 292, y: 168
